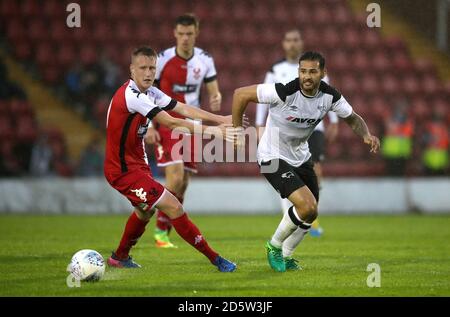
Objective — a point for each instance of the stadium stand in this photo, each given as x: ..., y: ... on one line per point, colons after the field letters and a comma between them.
x: 244, y: 38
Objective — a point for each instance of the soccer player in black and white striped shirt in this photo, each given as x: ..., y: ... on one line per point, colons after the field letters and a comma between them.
x: 295, y: 109
x: 283, y: 72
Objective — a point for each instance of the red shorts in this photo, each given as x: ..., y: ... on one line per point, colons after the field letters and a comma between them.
x: 139, y: 187
x: 169, y: 151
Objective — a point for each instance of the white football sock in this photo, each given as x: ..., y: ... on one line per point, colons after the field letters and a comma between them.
x: 285, y: 204
x: 293, y: 240
x: 289, y: 223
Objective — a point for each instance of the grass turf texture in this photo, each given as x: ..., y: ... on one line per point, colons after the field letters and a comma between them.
x: 413, y: 252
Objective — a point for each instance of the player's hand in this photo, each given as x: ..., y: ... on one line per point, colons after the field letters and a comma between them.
x: 239, y: 137
x: 215, y: 101
x: 229, y: 120
x: 331, y: 132
x: 373, y: 141
x: 225, y: 130
x: 152, y: 136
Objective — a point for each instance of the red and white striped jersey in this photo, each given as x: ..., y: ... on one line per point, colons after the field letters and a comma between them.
x: 181, y: 79
x: 126, y: 124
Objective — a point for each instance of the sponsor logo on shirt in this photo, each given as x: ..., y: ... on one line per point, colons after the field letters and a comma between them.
x: 176, y: 88
x: 308, y: 121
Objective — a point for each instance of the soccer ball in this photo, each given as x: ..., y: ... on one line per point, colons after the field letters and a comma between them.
x: 87, y: 265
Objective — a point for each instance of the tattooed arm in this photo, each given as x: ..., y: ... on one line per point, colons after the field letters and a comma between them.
x: 360, y: 128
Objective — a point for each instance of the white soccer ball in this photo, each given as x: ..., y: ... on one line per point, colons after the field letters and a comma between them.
x: 87, y: 265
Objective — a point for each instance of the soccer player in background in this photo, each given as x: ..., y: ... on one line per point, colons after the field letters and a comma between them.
x: 283, y: 72
x: 126, y: 167
x: 283, y: 155
x: 181, y: 70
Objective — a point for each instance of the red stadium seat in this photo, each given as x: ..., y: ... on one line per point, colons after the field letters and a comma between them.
x: 137, y: 10
x: 117, y: 10
x: 411, y: 86
x: 239, y: 11
x: 95, y: 10
x: 45, y: 53
x: 54, y: 8
x: 390, y: 85
x: 321, y: 15
x: 349, y: 85
x: 361, y: 61
x: 420, y: 108
x: 351, y: 38
x: 330, y: 37
x: 424, y: 67
x: 58, y: 31
x: 66, y: 56
x: 395, y: 44
x: 370, y: 84
x: 23, y: 50
x: 51, y: 74
x: 381, y: 62
x: 342, y: 16
x: 37, y: 30
x: 431, y: 86
x: 88, y: 54
x: 262, y: 14
x: 30, y: 8
x: 101, y: 32
x: 280, y: 13
x: 15, y: 30
x: 10, y: 9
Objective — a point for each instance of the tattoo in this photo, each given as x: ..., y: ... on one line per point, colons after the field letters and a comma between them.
x: 357, y: 124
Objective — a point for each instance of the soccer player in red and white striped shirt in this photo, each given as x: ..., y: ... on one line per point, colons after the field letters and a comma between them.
x: 126, y: 167
x: 181, y: 71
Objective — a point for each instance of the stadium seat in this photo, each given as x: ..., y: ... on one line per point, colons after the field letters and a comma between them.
x: 390, y: 85
x: 381, y: 62
x: 10, y: 9
x: 370, y: 84
x: 420, y: 108
x: 101, y: 32
x: 23, y: 51
x: 45, y: 54
x: 137, y: 10
x: 54, y: 9
x: 37, y: 30
x: 30, y: 8
x: 117, y: 10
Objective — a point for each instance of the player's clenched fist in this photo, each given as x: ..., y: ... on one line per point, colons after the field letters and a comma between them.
x: 373, y: 141
x: 152, y: 136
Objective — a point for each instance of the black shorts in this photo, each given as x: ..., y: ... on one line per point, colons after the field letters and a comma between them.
x: 287, y: 179
x: 316, y: 143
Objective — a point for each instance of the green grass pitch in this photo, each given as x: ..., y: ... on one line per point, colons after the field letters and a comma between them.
x: 412, y: 251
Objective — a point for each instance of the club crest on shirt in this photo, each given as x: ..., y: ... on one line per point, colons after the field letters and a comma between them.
x: 197, y: 73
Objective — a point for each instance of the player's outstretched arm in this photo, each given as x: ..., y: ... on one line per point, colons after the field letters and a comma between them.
x: 196, y: 113
x: 223, y: 130
x: 360, y: 128
x: 241, y: 97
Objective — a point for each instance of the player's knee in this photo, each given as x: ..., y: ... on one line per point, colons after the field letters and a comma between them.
x: 307, y: 210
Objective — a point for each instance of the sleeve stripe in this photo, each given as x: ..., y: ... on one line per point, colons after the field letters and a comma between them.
x: 210, y: 79
x: 152, y: 113
x: 281, y: 91
x: 171, y: 105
